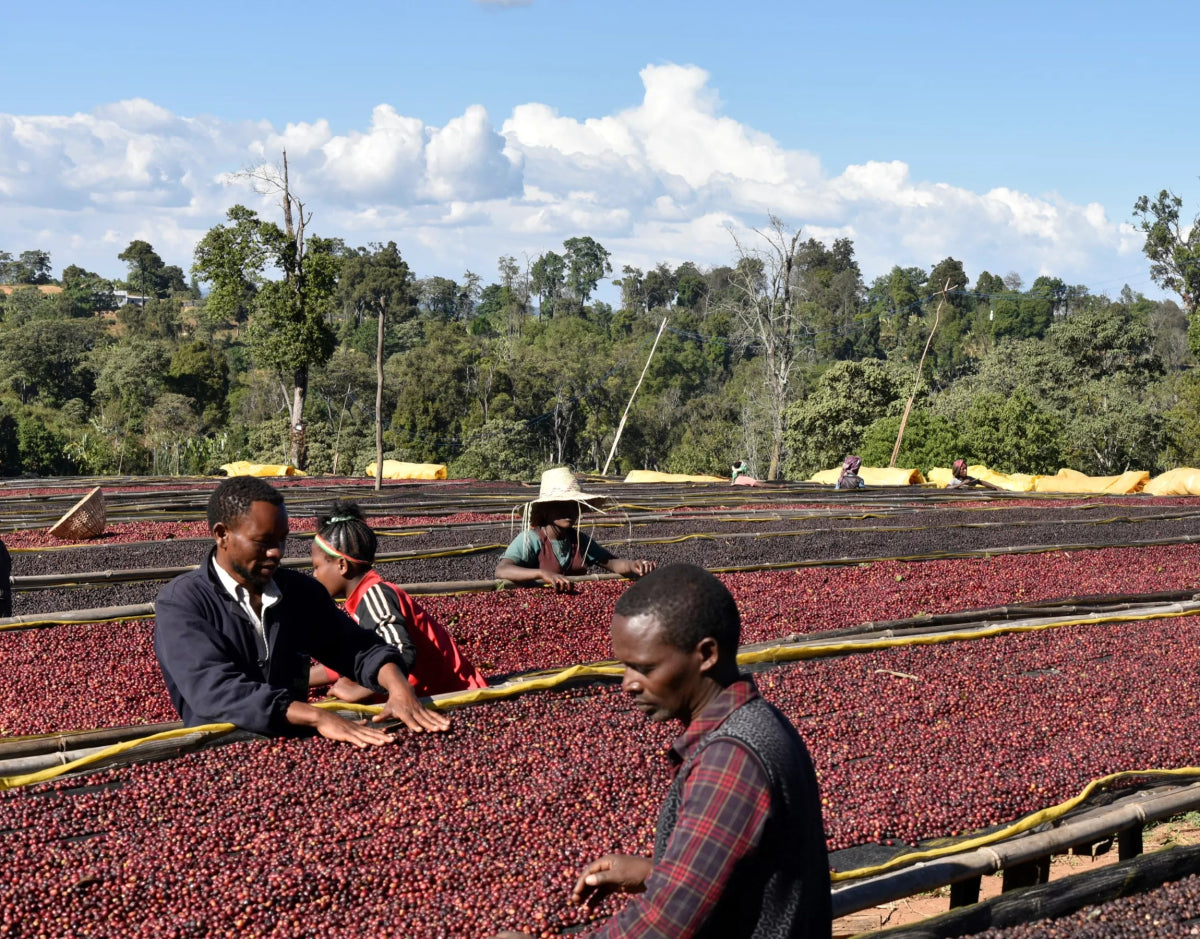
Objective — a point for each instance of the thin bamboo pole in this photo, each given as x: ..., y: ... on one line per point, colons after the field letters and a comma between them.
x: 35, y: 745
x: 917, y: 383
x: 1060, y: 898
x: 100, y: 614
x: 621, y: 426
x: 930, y: 875
x: 379, y: 399
x: 141, y: 575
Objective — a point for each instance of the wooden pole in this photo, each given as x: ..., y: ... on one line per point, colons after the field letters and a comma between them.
x: 1057, y: 899
x: 338, y: 437
x: 920, y: 367
x: 38, y: 581
x: 1137, y: 809
x: 621, y: 426
x: 379, y: 401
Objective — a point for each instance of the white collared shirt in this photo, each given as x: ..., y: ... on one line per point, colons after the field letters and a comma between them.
x: 270, y: 596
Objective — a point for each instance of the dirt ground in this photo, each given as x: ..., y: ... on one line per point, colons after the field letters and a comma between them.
x: 1184, y: 830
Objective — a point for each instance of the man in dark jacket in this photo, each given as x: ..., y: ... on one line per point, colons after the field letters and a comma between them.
x: 740, y: 845
x: 234, y: 637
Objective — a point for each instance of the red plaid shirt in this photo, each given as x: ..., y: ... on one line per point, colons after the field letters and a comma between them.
x: 726, y: 801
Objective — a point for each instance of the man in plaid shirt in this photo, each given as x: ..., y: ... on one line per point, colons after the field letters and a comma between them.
x: 740, y: 846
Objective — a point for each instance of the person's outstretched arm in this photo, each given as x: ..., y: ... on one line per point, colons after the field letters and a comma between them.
x: 726, y: 802
x: 629, y: 568
x: 403, y: 703
x: 379, y: 611
x: 725, y: 807
x: 335, y: 727
x: 520, y: 564
x: 596, y: 553
x: 507, y: 570
x: 209, y: 676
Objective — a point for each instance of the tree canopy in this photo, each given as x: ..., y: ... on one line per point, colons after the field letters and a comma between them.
x: 784, y: 357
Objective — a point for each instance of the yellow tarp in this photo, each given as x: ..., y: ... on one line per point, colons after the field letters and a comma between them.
x: 1183, y: 481
x: 395, y: 469
x: 1013, y: 482
x: 650, y: 476
x: 1066, y: 480
x: 1069, y: 480
x: 940, y: 476
x: 1010, y: 482
x: 246, y: 468
x: 874, y: 476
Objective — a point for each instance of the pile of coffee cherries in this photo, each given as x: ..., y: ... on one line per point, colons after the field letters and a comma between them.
x: 487, y: 826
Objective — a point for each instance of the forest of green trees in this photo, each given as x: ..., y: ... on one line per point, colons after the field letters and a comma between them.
x: 264, y: 347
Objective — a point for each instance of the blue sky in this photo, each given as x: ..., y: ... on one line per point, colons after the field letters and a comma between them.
x: 1015, y: 136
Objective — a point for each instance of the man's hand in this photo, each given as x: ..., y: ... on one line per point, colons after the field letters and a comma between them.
x: 335, y: 727
x: 512, y: 935
x: 613, y: 873
x: 403, y: 704
x: 416, y: 716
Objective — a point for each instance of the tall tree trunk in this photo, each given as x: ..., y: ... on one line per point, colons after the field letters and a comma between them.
x: 379, y: 400
x: 289, y: 226
x: 776, y: 441
x: 296, y: 442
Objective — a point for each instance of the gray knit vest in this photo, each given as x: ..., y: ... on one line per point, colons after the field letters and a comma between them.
x: 783, y: 891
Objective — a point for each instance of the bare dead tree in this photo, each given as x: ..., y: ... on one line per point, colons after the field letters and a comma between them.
x: 273, y: 180
x: 294, y: 223
x: 765, y: 310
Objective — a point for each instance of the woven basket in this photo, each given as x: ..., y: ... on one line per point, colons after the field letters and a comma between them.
x: 85, y: 519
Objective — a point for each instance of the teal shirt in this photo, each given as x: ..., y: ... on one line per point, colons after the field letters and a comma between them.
x: 526, y: 547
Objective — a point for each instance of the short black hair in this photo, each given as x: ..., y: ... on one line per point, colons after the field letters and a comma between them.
x: 233, y: 497
x: 689, y: 603
x: 344, y: 528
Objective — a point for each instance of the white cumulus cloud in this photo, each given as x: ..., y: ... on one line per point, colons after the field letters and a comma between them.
x: 468, y: 160
x: 665, y: 178
x: 387, y: 159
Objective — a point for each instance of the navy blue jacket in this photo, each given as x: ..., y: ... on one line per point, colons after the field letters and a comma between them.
x: 209, y: 653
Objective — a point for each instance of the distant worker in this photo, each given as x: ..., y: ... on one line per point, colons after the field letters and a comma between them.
x: 343, y: 553
x: 961, y: 480
x: 551, y: 547
x: 849, y: 478
x: 233, y: 636
x: 739, y: 849
x: 741, y: 475
x: 5, y: 582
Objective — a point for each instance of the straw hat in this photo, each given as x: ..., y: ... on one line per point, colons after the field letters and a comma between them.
x: 85, y: 519
x: 560, y: 485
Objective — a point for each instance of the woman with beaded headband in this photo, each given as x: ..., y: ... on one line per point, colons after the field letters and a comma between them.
x: 343, y: 555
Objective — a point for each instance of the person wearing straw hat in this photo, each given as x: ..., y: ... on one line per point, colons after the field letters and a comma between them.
x: 551, y: 548
x: 234, y: 636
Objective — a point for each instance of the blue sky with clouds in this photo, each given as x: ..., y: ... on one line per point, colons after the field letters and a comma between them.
x: 1014, y: 136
